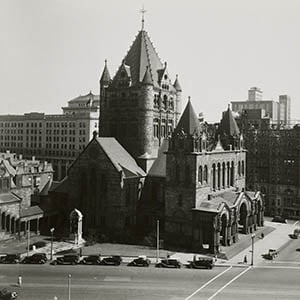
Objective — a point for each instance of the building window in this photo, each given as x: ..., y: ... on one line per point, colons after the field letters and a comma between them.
x: 200, y: 175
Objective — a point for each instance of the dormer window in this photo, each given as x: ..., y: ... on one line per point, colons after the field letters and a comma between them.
x: 166, y: 77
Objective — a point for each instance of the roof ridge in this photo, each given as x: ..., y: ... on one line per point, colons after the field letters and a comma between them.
x: 148, y: 60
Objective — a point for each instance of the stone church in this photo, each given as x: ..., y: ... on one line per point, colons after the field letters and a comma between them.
x: 150, y: 164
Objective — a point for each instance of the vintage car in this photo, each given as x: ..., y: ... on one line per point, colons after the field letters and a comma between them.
x: 169, y: 263
x: 279, y: 219
x: 141, y: 261
x: 113, y: 260
x: 67, y: 259
x: 10, y: 259
x: 91, y: 260
x: 7, y: 294
x: 37, y: 258
x: 202, y: 263
x: 270, y: 255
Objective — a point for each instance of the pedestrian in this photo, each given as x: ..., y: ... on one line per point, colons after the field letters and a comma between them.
x: 245, y: 259
x: 262, y: 235
x: 19, y: 280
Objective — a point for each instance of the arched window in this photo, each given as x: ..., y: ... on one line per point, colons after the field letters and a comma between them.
x: 239, y: 168
x: 205, y: 175
x: 219, y: 176
x: 223, y: 175
x: 214, y: 176
x: 232, y: 174
x: 228, y: 174
x: 243, y: 168
x: 200, y: 175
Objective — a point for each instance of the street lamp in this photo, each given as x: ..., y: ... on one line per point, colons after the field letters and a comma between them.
x: 157, y: 240
x: 69, y: 287
x: 252, y: 238
x: 51, y: 254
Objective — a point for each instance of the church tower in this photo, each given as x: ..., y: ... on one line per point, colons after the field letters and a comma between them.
x: 140, y: 106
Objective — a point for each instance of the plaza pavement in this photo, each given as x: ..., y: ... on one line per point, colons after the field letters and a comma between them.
x: 276, y: 237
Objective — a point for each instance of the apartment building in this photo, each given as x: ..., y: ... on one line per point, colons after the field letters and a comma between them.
x: 55, y: 138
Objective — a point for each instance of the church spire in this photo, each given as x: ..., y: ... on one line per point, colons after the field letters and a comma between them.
x: 143, y: 11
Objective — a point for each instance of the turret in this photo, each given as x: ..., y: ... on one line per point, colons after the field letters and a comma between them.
x: 178, y: 99
x: 104, y: 81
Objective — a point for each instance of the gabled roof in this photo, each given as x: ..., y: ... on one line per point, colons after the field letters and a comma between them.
x: 140, y: 55
x: 228, y: 124
x: 105, y: 77
x: 189, y: 122
x: 119, y: 157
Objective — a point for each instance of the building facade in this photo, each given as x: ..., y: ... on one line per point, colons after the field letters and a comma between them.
x: 140, y: 106
x: 22, y: 183
x: 279, y: 112
x: 55, y: 138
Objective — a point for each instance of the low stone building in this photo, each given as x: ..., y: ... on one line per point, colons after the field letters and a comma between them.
x: 22, y: 182
x: 104, y: 184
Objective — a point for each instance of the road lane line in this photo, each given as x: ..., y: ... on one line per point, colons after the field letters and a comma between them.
x: 207, y: 283
x: 228, y: 283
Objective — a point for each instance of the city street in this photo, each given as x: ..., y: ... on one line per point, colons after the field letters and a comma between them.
x: 100, y: 282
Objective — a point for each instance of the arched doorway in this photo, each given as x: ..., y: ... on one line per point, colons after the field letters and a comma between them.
x: 223, y: 232
x: 243, y: 220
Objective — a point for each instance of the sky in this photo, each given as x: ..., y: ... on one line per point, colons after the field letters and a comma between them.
x: 52, y: 51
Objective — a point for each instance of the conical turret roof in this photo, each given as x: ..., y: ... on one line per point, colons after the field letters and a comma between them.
x: 189, y: 122
x: 228, y: 124
x: 105, y: 77
x: 177, y: 85
x: 140, y: 55
x: 147, y: 77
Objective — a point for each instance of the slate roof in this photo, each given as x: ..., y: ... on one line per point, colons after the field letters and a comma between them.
x: 159, y: 166
x: 188, y: 122
x: 228, y: 124
x: 120, y: 158
x: 140, y: 55
x: 147, y: 78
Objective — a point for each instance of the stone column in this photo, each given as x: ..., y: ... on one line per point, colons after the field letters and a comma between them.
x: 9, y: 225
x: 229, y: 236
x: 38, y: 226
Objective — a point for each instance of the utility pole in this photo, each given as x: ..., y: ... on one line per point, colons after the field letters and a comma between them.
x: 157, y: 240
x: 252, y: 256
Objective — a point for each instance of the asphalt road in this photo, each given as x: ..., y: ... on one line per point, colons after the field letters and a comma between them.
x: 120, y: 283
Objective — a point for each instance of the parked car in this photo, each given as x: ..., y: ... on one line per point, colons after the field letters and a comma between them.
x: 7, y: 294
x: 37, y: 245
x: 295, y: 234
x: 270, y: 255
x: 37, y: 258
x: 113, y: 260
x: 279, y: 219
x: 169, y: 263
x: 141, y: 261
x: 202, y: 262
x: 67, y: 259
x: 92, y: 260
x: 10, y: 259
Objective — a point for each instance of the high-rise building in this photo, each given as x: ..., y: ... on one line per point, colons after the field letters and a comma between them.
x: 279, y: 112
x: 55, y: 138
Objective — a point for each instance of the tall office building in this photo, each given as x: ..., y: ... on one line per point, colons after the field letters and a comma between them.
x: 279, y: 112
x: 55, y: 138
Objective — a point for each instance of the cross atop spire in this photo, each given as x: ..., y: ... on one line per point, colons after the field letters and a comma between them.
x: 143, y: 11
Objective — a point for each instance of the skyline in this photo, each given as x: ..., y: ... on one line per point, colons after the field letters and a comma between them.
x: 55, y: 51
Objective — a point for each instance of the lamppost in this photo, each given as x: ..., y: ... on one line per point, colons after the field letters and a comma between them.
x: 157, y: 240
x: 69, y: 287
x: 252, y: 238
x: 51, y: 254
x: 28, y: 237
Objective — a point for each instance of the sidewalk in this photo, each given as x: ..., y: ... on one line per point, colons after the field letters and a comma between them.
x: 274, y: 240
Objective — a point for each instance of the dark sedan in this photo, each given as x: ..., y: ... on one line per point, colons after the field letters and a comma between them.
x: 202, y: 262
x: 91, y: 260
x: 141, y: 261
x: 10, y: 259
x: 67, y: 259
x: 114, y: 260
x: 7, y: 294
x: 37, y: 258
x: 169, y: 263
